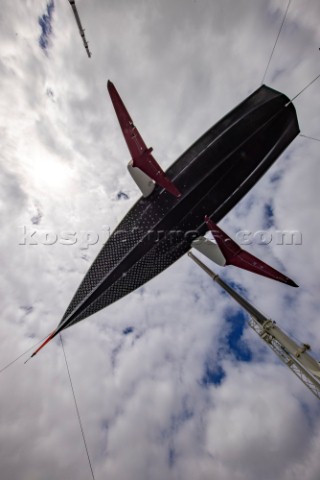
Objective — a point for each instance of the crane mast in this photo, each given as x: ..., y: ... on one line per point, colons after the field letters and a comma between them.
x: 294, y: 356
x: 81, y: 29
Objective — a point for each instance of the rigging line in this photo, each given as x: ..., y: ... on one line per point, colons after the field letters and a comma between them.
x: 304, y: 88
x: 77, y: 409
x: 21, y: 355
x: 275, y: 43
x: 310, y: 138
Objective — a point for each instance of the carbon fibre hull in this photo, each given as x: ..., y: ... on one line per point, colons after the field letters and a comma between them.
x: 213, y: 175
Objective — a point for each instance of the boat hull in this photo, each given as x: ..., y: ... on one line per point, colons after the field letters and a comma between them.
x: 213, y: 175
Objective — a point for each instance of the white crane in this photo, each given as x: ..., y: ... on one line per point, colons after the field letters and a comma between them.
x: 81, y: 29
x: 294, y: 356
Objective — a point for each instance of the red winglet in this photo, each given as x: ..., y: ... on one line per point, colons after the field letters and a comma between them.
x: 141, y: 155
x: 238, y: 257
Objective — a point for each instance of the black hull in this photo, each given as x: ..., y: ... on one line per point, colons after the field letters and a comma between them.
x: 213, y: 175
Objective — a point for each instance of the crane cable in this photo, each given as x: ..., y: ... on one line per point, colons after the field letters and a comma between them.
x: 77, y: 408
x: 275, y: 43
x: 21, y: 355
x: 268, y: 64
x: 309, y: 138
x: 305, y: 88
x: 72, y: 389
x: 296, y: 96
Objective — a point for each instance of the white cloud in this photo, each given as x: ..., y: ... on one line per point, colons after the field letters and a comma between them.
x: 180, y: 66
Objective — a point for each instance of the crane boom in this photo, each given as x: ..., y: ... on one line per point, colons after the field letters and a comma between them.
x: 81, y: 29
x: 293, y: 355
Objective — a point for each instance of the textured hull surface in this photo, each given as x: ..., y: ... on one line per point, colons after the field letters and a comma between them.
x: 213, y: 175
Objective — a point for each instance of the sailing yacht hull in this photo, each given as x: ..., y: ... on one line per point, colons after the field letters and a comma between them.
x: 212, y: 175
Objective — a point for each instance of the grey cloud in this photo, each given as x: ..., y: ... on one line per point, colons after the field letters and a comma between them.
x: 146, y: 411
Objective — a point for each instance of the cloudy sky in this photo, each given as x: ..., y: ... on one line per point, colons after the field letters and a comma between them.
x: 171, y: 383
